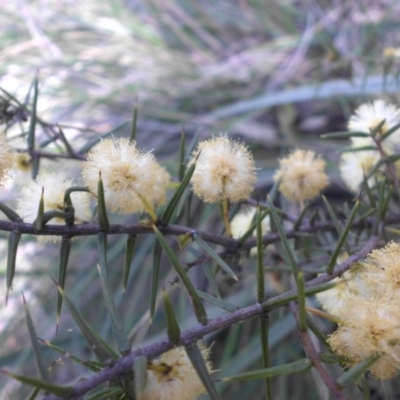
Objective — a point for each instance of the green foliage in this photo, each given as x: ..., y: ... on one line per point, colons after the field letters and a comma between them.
x: 277, y: 76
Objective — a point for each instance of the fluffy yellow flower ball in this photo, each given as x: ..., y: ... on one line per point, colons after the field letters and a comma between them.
x: 127, y: 174
x: 302, y: 176
x: 224, y: 170
x: 178, y: 380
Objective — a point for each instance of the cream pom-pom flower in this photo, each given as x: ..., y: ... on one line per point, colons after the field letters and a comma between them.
x: 369, y: 327
x: 382, y: 270
x: 54, y: 185
x: 6, y: 159
x: 224, y: 170
x: 302, y: 176
x: 176, y: 379
x: 350, y: 284
x: 369, y: 115
x: 354, y: 166
x: 128, y: 175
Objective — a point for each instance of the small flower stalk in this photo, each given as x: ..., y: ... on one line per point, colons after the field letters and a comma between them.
x: 129, y: 176
x: 225, y: 172
x: 302, y: 176
x: 172, y: 377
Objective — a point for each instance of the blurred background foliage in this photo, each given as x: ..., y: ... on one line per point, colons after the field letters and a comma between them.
x: 276, y: 74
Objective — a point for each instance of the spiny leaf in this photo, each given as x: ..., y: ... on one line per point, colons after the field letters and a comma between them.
x: 301, y: 300
x: 13, y: 241
x: 281, y: 370
x: 171, y: 206
x: 116, y: 322
x: 343, y: 236
x: 285, y: 243
x: 100, y: 348
x: 353, y: 374
x: 154, y: 279
x: 134, y: 123
x: 65, y: 250
x: 130, y: 244
x: 101, y: 204
x: 173, y: 330
x: 10, y: 213
x: 196, y: 302
x: 224, y: 266
x: 32, y: 124
x: 199, y: 365
x: 61, y: 391
x: 35, y: 345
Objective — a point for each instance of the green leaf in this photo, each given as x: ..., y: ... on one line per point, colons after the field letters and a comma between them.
x: 199, y: 365
x: 335, y: 221
x: 154, y: 279
x: 173, y: 330
x: 35, y: 345
x: 134, y: 123
x: 116, y: 322
x: 285, y: 298
x: 351, y: 376
x: 38, y: 223
x: 130, y: 244
x: 96, y: 139
x: 221, y: 263
x: 301, y: 300
x: 344, y: 134
x: 224, y: 305
x: 92, y: 366
x: 343, y: 236
x: 264, y: 339
x: 171, y: 206
x: 290, y: 258
x: 68, y: 147
x: 61, y: 391
x: 65, y: 250
x: 140, y: 374
x: 196, y: 302
x: 181, y: 168
x: 210, y: 277
x: 260, y: 260
x: 10, y: 213
x: 100, y: 348
x: 281, y: 370
x: 101, y: 204
x: 389, y: 132
x: 13, y: 241
x: 32, y: 124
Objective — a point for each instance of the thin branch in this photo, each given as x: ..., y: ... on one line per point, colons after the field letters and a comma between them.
x: 312, y: 354
x: 125, y: 363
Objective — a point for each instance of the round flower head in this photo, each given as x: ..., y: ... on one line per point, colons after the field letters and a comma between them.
x: 302, y: 176
x: 224, y: 170
x: 6, y: 159
x: 369, y: 327
x: 176, y: 379
x: 369, y: 115
x: 354, y: 166
x: 127, y: 175
x: 350, y: 284
x: 54, y: 186
x: 382, y: 270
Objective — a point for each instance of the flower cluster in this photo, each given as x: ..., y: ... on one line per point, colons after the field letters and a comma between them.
x: 358, y: 164
x: 367, y: 307
x: 172, y: 376
x: 302, y: 176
